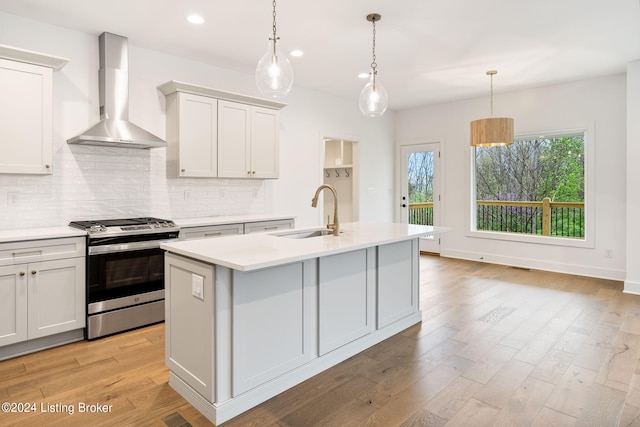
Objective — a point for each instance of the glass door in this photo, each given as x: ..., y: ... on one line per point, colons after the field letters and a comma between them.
x: 420, y: 194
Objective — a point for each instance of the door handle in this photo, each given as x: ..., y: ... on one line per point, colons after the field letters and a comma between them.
x: 404, y: 206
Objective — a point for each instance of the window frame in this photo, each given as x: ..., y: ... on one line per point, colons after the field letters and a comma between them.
x: 589, y: 197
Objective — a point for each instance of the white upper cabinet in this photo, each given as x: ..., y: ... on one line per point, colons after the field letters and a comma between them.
x: 241, y: 141
x: 248, y: 141
x: 192, y: 135
x: 26, y: 111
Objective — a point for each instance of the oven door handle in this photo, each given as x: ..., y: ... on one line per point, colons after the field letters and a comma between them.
x: 126, y: 247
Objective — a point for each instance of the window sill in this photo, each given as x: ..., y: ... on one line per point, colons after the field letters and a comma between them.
x: 536, y: 239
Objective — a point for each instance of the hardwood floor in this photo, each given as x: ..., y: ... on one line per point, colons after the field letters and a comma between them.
x: 497, y: 346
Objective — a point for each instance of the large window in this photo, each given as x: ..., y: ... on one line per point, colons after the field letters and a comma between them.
x: 535, y: 187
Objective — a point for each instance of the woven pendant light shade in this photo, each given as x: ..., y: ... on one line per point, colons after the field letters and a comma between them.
x: 492, y: 132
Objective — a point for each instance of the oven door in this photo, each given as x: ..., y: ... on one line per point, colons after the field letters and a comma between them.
x: 120, y: 274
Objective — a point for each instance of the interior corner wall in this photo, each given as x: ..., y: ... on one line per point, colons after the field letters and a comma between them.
x: 598, y: 102
x: 632, y: 279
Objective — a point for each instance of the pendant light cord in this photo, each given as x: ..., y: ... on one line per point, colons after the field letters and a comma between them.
x: 491, y: 94
x: 275, y: 38
x: 373, y: 62
x: 374, y: 65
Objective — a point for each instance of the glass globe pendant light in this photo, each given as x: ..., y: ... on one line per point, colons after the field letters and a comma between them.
x: 373, y: 99
x: 274, y: 75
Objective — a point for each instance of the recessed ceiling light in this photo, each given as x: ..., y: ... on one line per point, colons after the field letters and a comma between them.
x: 363, y: 75
x: 296, y: 52
x: 195, y: 19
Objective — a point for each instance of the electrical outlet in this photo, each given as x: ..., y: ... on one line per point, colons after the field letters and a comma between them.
x: 608, y: 253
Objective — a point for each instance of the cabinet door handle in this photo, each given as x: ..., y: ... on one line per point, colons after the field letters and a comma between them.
x: 275, y: 227
x: 219, y: 233
x: 182, y: 170
x: 24, y: 253
x: 47, y: 166
x: 22, y: 273
x: 248, y: 172
x: 253, y: 172
x: 34, y: 272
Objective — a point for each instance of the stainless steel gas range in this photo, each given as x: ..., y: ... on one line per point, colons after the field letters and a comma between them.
x: 125, y: 272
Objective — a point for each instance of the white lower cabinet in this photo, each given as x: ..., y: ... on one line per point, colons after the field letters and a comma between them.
x: 56, y: 297
x: 206, y: 231
x: 44, y: 296
x: 262, y: 226
x: 13, y: 304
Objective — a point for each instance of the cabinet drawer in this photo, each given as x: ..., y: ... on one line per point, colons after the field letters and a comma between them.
x: 41, y: 250
x: 210, y: 231
x: 262, y: 226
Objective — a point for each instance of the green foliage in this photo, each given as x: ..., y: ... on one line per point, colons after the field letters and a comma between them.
x: 420, y: 179
x: 531, y: 170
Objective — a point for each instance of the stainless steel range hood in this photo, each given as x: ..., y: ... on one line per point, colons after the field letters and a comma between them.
x: 114, y: 128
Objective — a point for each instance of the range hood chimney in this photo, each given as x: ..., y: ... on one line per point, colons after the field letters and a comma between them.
x: 114, y: 128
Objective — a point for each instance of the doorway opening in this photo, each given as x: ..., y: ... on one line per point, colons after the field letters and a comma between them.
x: 340, y: 169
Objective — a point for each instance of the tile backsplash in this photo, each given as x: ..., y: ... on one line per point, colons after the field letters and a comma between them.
x: 108, y: 182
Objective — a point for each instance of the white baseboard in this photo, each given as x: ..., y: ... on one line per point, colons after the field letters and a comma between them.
x: 556, y: 267
x: 631, y: 287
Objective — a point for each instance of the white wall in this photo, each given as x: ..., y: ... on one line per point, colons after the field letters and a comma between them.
x: 101, y: 182
x: 597, y: 102
x: 632, y: 281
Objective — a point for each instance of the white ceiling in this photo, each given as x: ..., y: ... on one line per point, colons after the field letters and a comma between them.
x: 428, y: 51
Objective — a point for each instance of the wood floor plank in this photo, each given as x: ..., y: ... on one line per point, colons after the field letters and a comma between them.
x: 573, y: 391
x: 552, y: 368
x: 452, y: 398
x: 550, y: 418
x: 492, y: 362
x: 525, y: 403
x: 603, y: 407
x: 331, y: 402
x: 424, y: 419
x: 475, y: 413
x: 504, y: 383
x: 409, y: 400
x: 620, y: 365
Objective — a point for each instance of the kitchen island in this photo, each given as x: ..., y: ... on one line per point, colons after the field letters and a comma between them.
x: 250, y: 316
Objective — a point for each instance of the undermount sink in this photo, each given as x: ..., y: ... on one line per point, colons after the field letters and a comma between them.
x: 305, y: 234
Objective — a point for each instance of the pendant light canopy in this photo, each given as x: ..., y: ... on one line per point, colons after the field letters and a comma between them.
x: 274, y: 75
x: 373, y: 99
x: 494, y: 131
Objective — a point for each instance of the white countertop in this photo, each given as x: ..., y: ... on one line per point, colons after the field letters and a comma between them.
x: 249, y: 252
x: 23, y: 234
x: 232, y: 219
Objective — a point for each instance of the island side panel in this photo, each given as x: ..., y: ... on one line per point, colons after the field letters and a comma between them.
x: 344, y: 298
x: 189, y: 351
x: 268, y: 324
x: 398, y: 277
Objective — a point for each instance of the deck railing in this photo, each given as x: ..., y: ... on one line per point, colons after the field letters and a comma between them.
x: 421, y: 213
x: 546, y: 218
